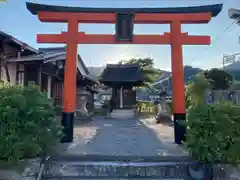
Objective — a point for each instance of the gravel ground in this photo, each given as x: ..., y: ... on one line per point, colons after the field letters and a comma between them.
x: 121, y: 137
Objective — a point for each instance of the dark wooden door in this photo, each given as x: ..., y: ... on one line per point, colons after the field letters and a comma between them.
x: 129, y: 98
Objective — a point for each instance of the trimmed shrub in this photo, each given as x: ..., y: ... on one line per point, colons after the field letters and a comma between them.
x: 28, y: 124
x: 213, y: 132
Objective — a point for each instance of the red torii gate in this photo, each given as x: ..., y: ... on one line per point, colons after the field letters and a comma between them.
x: 173, y: 16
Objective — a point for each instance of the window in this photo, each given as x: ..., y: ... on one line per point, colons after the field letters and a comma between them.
x: 20, y: 77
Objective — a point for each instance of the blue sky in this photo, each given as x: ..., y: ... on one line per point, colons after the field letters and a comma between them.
x: 17, y: 21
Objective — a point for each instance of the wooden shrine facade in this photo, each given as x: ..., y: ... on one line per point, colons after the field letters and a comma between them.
x: 122, y: 79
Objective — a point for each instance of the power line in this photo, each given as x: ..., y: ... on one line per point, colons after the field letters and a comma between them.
x: 217, y: 38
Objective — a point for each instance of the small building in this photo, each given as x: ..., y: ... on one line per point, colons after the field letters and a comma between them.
x: 22, y: 64
x: 122, y: 79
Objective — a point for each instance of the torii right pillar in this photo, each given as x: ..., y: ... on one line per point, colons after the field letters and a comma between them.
x: 178, y: 85
x: 178, y: 89
x: 177, y: 39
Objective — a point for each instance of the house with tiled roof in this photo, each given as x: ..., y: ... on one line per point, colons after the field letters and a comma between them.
x: 23, y: 64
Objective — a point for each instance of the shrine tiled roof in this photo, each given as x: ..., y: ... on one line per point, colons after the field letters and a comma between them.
x: 118, y: 73
x: 215, y: 9
x: 14, y: 41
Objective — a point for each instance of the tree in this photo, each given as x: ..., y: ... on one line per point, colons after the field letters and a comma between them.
x: 196, y: 88
x: 219, y: 79
x: 235, y: 74
x: 147, y: 65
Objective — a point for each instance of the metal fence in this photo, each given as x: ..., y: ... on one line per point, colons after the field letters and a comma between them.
x: 212, y: 97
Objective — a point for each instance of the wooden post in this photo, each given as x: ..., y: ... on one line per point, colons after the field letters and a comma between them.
x: 121, y: 97
x: 39, y: 76
x: 69, y: 91
x: 178, y: 92
x: 49, y: 86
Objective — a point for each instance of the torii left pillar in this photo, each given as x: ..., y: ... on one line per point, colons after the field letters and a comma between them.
x: 70, y: 79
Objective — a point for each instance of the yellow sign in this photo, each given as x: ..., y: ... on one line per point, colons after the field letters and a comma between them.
x: 146, y: 107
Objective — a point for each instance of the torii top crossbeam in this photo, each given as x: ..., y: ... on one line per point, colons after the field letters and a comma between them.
x: 213, y: 9
x: 185, y: 15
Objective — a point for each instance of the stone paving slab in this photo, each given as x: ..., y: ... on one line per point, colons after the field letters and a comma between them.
x: 123, y: 137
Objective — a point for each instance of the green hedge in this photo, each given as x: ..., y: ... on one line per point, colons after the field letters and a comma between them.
x: 213, y: 132
x: 28, y: 124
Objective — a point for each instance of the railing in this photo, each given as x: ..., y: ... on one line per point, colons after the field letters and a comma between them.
x: 212, y: 97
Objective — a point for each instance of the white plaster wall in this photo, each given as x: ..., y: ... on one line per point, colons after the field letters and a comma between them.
x: 12, y: 73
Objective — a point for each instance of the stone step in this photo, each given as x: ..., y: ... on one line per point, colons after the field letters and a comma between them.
x: 119, y: 158
x: 117, y: 170
x: 74, y: 178
x: 163, y: 168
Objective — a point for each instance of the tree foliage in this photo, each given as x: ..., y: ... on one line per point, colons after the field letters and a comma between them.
x: 235, y: 73
x: 147, y: 65
x: 28, y: 124
x: 196, y: 88
x: 213, y: 130
x: 219, y: 79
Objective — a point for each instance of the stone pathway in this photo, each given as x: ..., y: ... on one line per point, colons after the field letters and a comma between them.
x: 123, y: 138
x: 105, y: 141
